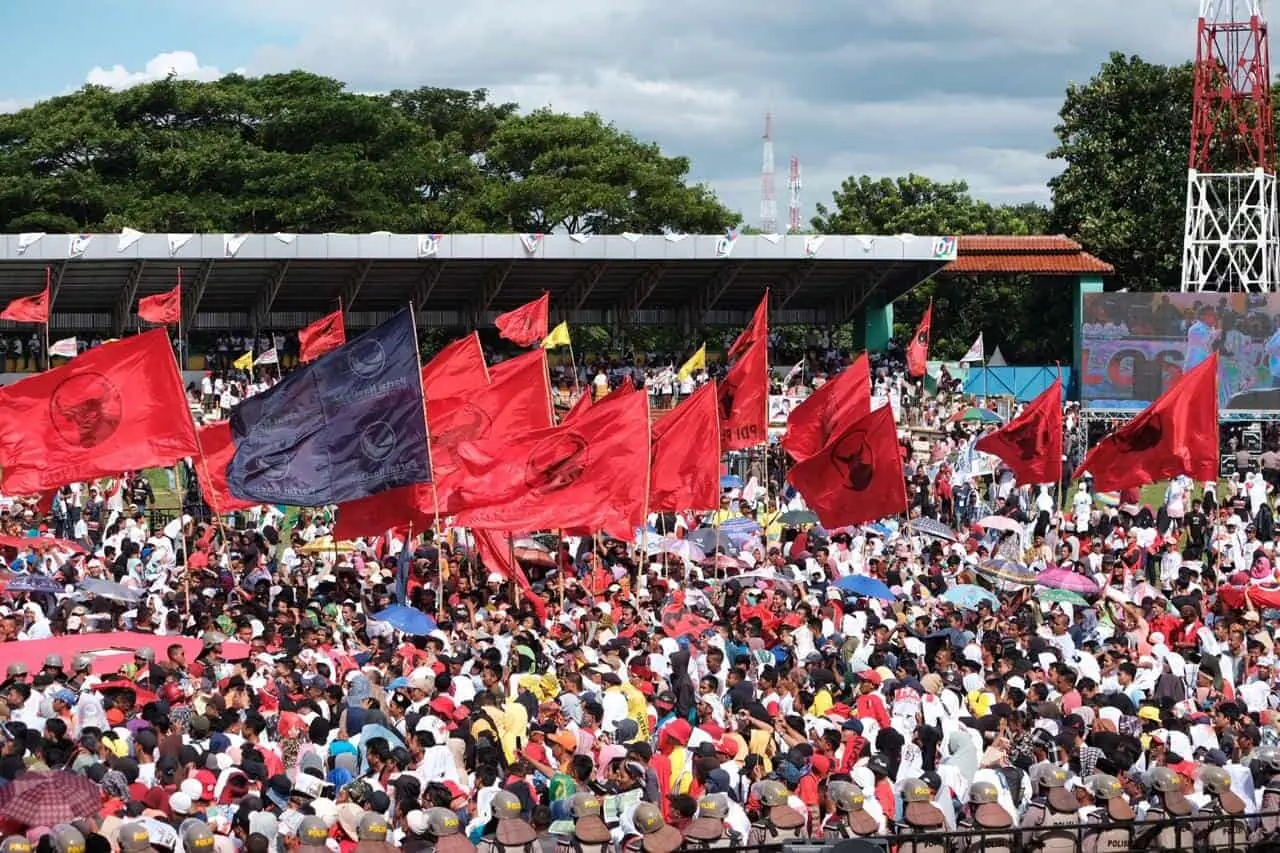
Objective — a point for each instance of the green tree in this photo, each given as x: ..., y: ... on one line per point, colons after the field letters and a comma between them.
x: 1124, y: 138
x: 297, y: 152
x: 917, y: 205
x: 1010, y: 311
x: 551, y: 171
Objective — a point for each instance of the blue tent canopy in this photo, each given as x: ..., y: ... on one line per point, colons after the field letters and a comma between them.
x: 1022, y: 383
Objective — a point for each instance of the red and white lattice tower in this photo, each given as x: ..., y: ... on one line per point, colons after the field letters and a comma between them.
x: 768, y: 200
x: 1230, y: 241
x: 793, y: 189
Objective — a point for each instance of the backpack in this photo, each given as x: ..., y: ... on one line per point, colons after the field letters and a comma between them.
x: 1012, y: 778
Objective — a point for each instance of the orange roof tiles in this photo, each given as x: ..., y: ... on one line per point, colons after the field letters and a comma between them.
x: 1036, y: 255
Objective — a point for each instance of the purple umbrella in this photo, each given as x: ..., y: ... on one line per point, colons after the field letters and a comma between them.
x: 1068, y: 580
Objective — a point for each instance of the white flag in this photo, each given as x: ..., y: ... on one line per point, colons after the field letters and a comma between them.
x: 268, y: 357
x: 976, y: 352
x: 66, y: 348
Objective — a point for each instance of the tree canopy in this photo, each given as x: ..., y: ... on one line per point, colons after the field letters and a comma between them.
x: 297, y: 152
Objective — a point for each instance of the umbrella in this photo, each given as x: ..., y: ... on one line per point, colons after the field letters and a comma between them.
x: 720, y: 561
x: 709, y: 539
x: 967, y: 596
x: 326, y: 545
x: 975, y: 414
x: 936, y: 529
x: 1000, y: 522
x: 866, y: 587
x: 407, y: 620
x: 33, y: 583
x: 1062, y: 596
x: 1068, y: 580
x: 110, y: 590
x: 798, y: 516
x: 683, y: 548
x: 49, y: 797
x: 40, y: 543
x: 1007, y: 570
x: 750, y: 578
x: 731, y: 481
x: 531, y: 543
x: 534, y: 557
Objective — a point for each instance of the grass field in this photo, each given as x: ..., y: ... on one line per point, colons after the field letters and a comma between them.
x: 168, y: 494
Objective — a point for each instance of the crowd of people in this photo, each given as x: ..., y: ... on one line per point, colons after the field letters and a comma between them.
x: 735, y: 678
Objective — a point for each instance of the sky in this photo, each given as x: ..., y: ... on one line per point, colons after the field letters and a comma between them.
x: 952, y: 91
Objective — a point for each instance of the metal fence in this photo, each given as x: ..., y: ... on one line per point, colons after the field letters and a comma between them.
x: 1214, y: 833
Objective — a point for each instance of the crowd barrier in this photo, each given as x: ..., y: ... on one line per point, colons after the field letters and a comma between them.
x: 1191, y: 834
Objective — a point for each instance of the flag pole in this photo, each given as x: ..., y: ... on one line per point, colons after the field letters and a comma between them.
x: 435, y: 493
x: 48, y: 315
x: 768, y: 377
x: 182, y: 537
x: 573, y: 366
x: 182, y: 342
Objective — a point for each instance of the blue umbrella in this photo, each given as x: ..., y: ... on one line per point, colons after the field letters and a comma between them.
x: 866, y: 587
x: 731, y: 481
x: 709, y: 539
x: 967, y: 596
x: 407, y: 620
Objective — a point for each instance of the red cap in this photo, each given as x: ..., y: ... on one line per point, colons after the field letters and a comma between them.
x: 871, y: 677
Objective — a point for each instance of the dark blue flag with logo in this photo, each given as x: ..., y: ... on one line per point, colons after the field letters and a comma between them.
x: 346, y: 426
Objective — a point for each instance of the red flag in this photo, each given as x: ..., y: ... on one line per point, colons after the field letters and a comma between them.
x: 30, y: 309
x: 580, y: 407
x: 527, y: 325
x: 918, y: 351
x: 495, y: 551
x: 858, y: 476
x: 216, y: 450
x: 119, y: 407
x: 457, y: 369
x: 744, y: 401
x: 400, y: 507
x: 327, y: 333
x: 1177, y: 434
x: 518, y: 401
x: 590, y: 474
x: 163, y: 308
x: 756, y: 330
x: 685, y: 473
x: 843, y: 398
x: 1031, y: 444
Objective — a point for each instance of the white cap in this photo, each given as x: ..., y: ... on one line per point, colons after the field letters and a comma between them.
x: 416, y: 820
x: 192, y: 789
x: 180, y: 803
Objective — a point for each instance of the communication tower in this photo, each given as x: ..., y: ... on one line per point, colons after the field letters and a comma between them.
x: 1230, y: 238
x: 793, y: 187
x: 768, y: 201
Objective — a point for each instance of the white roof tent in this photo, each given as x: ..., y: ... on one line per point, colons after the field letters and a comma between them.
x: 281, y: 281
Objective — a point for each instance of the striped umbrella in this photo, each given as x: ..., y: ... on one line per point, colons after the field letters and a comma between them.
x: 1008, y: 571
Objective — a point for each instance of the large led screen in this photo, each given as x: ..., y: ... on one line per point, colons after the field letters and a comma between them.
x: 1134, y: 345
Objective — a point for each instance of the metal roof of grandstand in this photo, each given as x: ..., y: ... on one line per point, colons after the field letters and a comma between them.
x: 284, y: 280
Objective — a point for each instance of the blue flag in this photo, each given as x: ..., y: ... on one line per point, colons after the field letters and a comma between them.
x: 348, y: 425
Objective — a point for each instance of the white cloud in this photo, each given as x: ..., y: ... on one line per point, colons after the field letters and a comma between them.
x: 182, y: 64
x: 12, y: 105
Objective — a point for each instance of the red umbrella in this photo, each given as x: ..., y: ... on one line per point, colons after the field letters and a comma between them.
x: 49, y: 797
x: 40, y: 543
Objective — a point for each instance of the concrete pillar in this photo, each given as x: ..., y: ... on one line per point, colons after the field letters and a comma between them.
x: 875, y: 322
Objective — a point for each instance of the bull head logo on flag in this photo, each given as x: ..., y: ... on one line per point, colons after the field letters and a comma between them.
x: 1142, y: 434
x: 86, y: 409
x: 557, y: 463
x: 854, y: 454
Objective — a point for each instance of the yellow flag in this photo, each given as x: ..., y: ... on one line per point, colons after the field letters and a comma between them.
x: 559, y: 337
x: 697, y: 361
x: 244, y: 362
